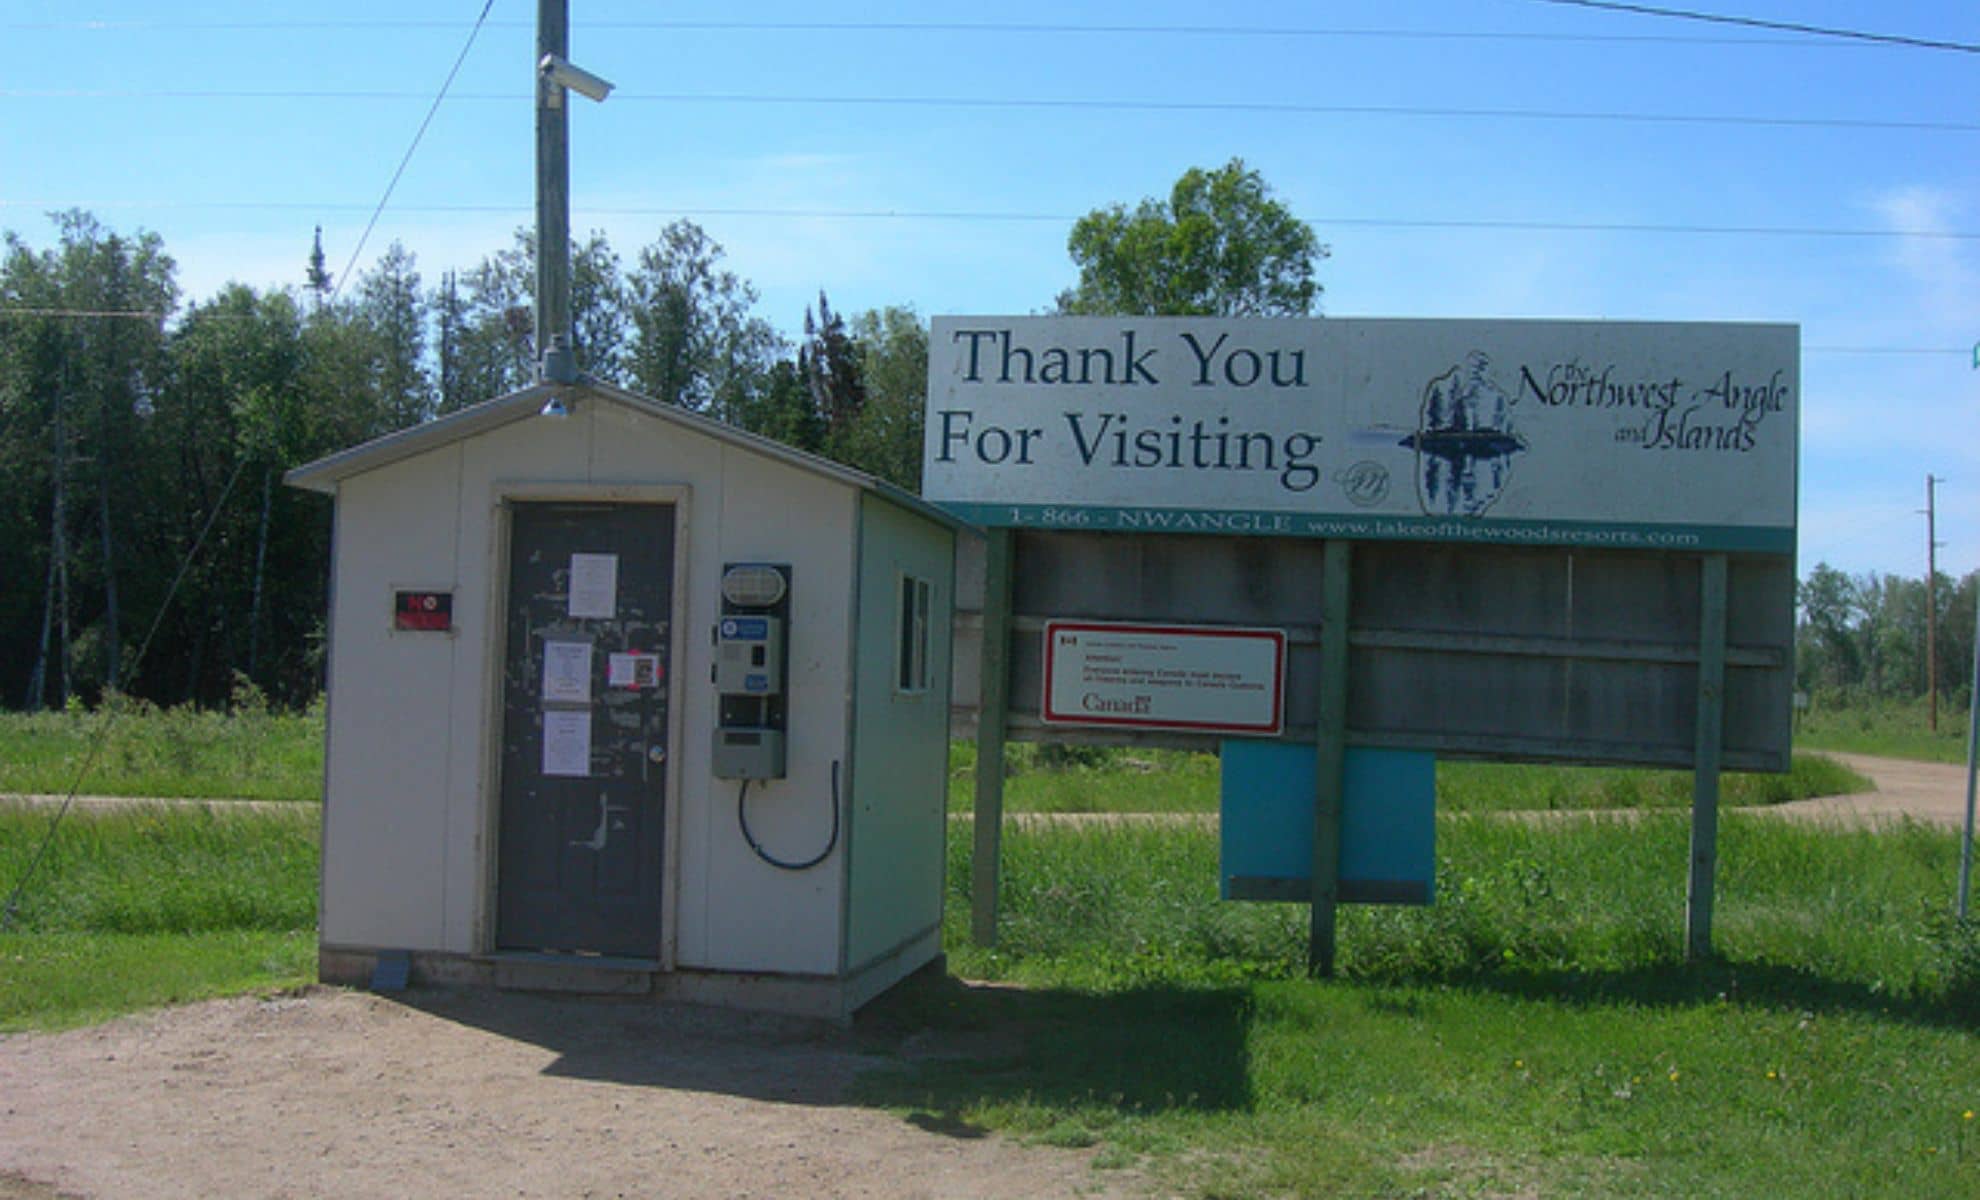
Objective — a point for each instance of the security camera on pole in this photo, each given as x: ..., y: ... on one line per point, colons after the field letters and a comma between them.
x: 556, y: 363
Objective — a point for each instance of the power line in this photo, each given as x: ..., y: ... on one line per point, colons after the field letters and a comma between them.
x: 1827, y: 31
x: 1296, y: 109
x: 1039, y: 103
x: 1343, y: 221
x: 421, y: 133
x: 136, y: 314
x: 207, y: 313
x: 1028, y: 28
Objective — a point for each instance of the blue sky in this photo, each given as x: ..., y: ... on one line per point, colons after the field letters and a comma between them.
x: 1490, y: 158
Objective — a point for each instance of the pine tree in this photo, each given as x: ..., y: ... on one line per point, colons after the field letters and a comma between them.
x: 316, y: 279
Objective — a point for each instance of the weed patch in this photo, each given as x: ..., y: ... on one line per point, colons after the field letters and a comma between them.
x: 1892, y: 728
x: 141, y: 750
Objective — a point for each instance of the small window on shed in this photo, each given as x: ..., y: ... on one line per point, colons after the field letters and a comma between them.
x: 911, y: 663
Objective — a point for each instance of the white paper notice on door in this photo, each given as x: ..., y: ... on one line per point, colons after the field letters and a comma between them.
x: 634, y: 670
x: 567, y: 742
x: 594, y: 586
x: 567, y: 672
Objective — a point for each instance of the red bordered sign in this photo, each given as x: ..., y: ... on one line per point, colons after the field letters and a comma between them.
x: 1192, y: 678
x: 423, y: 612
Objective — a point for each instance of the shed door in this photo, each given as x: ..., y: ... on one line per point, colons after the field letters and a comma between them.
x: 584, y: 729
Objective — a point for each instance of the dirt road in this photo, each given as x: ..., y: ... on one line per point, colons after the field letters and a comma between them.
x: 1932, y: 793
x: 337, y: 1093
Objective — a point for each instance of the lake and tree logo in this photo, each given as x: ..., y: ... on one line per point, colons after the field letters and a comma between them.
x: 1464, y: 440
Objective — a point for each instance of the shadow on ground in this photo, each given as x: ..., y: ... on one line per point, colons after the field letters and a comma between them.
x: 940, y: 1048
x: 935, y: 1046
x: 954, y: 1046
x: 1753, y: 984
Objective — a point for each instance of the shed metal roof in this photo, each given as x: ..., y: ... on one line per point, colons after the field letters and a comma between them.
x: 326, y: 473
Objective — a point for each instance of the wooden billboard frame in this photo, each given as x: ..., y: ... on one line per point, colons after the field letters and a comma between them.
x: 1332, y: 737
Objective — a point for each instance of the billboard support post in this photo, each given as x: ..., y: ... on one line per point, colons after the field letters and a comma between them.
x: 991, y: 715
x: 1705, y: 773
x: 1972, y: 743
x: 1330, y: 756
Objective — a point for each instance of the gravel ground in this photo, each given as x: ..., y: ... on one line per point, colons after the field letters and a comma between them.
x: 462, y: 1093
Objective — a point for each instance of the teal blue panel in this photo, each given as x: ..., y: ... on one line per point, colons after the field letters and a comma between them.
x: 1388, y: 827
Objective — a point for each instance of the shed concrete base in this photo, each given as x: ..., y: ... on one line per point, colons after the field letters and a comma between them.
x: 820, y: 997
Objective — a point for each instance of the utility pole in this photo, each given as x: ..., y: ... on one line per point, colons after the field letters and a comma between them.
x: 1972, y: 748
x: 556, y: 361
x: 1932, y: 600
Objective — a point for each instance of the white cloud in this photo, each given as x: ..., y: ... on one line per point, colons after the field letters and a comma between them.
x: 1941, y: 271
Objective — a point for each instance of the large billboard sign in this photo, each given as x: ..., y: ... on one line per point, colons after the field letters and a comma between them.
x: 1622, y: 435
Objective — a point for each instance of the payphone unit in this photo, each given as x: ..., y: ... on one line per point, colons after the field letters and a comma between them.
x: 751, y: 659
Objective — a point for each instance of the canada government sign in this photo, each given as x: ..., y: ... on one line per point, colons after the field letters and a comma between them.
x: 1621, y: 435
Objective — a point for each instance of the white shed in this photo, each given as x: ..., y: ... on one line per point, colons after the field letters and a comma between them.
x: 624, y: 699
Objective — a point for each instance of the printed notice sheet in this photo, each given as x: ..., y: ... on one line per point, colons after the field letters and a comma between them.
x: 594, y: 586
x: 567, y: 672
x: 567, y: 742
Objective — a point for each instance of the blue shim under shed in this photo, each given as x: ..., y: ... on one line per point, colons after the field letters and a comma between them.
x: 1388, y: 825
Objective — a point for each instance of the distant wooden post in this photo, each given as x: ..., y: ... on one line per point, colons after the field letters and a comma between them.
x: 1330, y: 755
x: 1705, y: 772
x: 993, y: 702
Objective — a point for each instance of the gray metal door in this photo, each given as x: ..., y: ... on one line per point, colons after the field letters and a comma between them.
x: 584, y: 729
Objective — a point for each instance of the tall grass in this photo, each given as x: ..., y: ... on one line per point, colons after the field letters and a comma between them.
x: 1892, y: 728
x: 1525, y: 787
x: 1085, y: 779
x: 142, y: 750
x: 1124, y: 904
x: 151, y: 906
x: 1090, y: 780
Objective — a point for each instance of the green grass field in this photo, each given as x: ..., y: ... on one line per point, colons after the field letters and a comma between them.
x: 140, y: 750
x: 1174, y: 781
x: 1893, y: 728
x: 153, y: 906
x: 1536, y: 1032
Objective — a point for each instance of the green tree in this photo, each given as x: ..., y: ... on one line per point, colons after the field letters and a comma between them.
x: 782, y: 409
x: 1220, y: 245
x: 694, y: 341
x: 829, y: 361
x: 1828, y: 649
x: 84, y: 361
x: 316, y: 277
x: 237, y: 409
x: 449, y: 325
x: 885, y: 440
x: 393, y: 310
x: 598, y: 309
x: 493, y: 351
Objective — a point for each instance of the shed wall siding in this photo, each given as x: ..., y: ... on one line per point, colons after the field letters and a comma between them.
x: 414, y: 800
x: 900, y: 739
x: 760, y: 917
x: 384, y: 839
